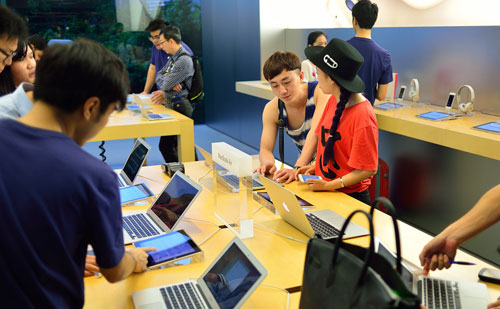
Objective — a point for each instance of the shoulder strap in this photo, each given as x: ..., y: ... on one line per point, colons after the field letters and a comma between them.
x: 281, y: 127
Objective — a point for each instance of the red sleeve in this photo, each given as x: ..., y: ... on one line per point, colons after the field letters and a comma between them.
x: 364, y: 152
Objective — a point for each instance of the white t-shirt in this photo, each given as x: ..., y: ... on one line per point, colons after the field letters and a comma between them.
x: 310, y: 74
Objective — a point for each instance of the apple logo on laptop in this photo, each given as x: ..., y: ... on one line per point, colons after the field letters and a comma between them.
x: 286, y: 207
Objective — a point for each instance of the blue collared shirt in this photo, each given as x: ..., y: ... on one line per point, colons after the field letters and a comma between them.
x: 17, y: 103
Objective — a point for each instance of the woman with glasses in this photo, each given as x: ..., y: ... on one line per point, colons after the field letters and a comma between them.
x: 21, y: 70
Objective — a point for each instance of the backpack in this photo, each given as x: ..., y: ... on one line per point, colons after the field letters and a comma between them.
x: 196, y: 93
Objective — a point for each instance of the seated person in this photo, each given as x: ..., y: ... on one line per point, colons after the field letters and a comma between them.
x: 179, y: 70
x: 37, y: 44
x: 315, y: 38
x: 66, y: 199
x: 21, y: 70
x: 303, y: 106
x: 347, y: 134
x: 443, y: 248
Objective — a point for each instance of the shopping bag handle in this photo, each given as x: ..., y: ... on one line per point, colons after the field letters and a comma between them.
x: 391, y: 211
x: 339, y: 241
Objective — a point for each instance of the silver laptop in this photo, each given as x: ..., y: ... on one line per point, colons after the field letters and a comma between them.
x: 227, y: 283
x: 324, y: 222
x: 149, y: 115
x: 229, y: 180
x: 166, y: 211
x: 135, y: 160
x: 440, y: 293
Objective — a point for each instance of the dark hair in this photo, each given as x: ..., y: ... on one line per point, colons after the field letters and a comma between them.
x: 279, y: 61
x: 365, y: 13
x: 69, y: 74
x: 156, y: 24
x: 328, y: 154
x: 313, y: 36
x: 37, y: 42
x: 171, y: 32
x: 11, y: 24
x: 6, y: 81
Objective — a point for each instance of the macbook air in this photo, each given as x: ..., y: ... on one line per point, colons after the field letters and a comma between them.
x: 148, y: 115
x: 135, y: 160
x: 440, y: 293
x: 324, y: 222
x: 229, y: 180
x: 165, y: 213
x: 227, y: 283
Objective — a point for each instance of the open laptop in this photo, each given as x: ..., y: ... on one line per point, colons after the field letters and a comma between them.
x: 135, y: 160
x: 166, y: 211
x: 148, y: 115
x: 440, y: 293
x: 229, y: 180
x: 324, y: 222
x: 226, y: 283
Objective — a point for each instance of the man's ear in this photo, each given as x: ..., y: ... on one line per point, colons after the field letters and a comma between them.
x: 354, y: 21
x: 91, y: 108
x: 301, y: 76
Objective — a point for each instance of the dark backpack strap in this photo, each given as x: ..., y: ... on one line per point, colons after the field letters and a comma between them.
x: 281, y: 128
x: 183, y: 83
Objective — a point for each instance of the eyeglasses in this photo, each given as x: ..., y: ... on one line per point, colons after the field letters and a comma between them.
x: 159, y: 43
x: 7, y: 56
x: 154, y: 38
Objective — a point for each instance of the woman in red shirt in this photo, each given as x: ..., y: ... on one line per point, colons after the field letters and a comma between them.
x: 347, y: 134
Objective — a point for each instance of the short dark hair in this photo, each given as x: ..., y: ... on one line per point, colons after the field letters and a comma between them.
x: 69, y: 74
x: 365, y: 13
x: 6, y: 81
x: 156, y: 24
x: 11, y: 24
x: 37, y: 41
x: 279, y: 61
x: 171, y: 32
x: 313, y: 36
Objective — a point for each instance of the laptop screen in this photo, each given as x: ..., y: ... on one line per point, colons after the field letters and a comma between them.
x: 232, y: 276
x: 174, y: 200
x: 135, y: 160
x: 406, y: 275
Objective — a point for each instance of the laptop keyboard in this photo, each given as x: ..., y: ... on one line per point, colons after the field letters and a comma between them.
x: 138, y: 226
x: 182, y: 295
x: 233, y: 180
x: 321, y: 227
x: 439, y: 293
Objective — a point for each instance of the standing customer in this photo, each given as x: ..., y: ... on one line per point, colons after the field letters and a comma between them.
x: 376, y: 71
x: 56, y: 198
x: 315, y: 38
x: 12, y: 28
x: 347, y: 134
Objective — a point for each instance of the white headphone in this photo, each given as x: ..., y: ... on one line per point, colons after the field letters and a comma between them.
x: 414, y: 93
x: 466, y: 107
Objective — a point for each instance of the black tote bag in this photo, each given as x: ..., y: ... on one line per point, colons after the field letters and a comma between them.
x: 342, y: 276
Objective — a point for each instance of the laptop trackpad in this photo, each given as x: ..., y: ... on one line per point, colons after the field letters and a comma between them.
x: 151, y: 306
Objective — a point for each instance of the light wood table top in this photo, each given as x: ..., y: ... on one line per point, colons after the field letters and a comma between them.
x: 128, y: 124
x: 282, y: 257
x: 457, y: 134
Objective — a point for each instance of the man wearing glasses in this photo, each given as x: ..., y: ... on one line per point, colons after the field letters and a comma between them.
x: 158, y: 59
x: 12, y: 28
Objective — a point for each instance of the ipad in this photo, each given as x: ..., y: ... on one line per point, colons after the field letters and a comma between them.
x: 435, y: 115
x: 389, y: 106
x: 493, y: 127
x: 169, y: 247
x: 304, y: 178
x: 302, y: 202
x: 134, y: 193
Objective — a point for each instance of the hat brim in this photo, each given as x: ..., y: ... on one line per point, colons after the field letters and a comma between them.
x: 315, y: 55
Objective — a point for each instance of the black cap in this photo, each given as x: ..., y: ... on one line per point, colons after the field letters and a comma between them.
x: 341, y: 61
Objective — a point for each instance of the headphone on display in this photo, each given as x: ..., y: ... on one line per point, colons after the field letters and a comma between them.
x: 414, y: 93
x: 466, y: 107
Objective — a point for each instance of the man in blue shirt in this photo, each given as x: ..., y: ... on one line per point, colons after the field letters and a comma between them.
x: 56, y: 199
x: 376, y: 71
x: 158, y: 59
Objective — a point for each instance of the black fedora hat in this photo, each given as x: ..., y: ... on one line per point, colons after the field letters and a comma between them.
x: 341, y: 61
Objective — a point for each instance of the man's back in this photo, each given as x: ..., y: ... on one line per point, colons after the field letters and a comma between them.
x: 377, y: 67
x: 55, y: 199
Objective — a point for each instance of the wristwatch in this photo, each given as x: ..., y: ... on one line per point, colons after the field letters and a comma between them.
x: 296, y: 167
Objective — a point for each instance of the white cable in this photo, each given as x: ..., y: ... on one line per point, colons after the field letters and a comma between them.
x: 199, y: 179
x: 273, y: 231
x: 209, y: 236
x: 282, y: 289
x: 157, y: 181
x: 255, y: 211
x: 205, y: 221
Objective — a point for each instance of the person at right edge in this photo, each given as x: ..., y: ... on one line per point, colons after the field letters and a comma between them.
x: 376, y: 71
x: 347, y: 134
